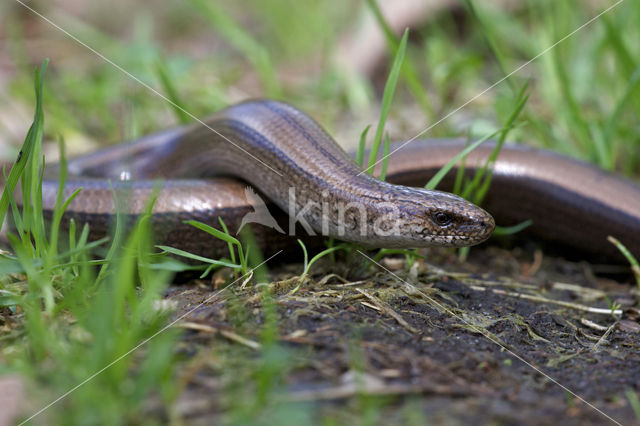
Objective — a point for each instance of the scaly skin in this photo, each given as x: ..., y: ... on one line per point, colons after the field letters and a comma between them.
x: 285, y: 155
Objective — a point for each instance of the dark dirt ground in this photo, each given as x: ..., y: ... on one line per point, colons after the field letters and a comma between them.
x: 450, y: 348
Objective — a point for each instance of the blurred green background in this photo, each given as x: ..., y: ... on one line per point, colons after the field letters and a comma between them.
x: 329, y: 59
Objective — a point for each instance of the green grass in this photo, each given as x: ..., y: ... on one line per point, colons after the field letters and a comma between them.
x: 387, y: 97
x: 77, y: 314
x: 233, y: 243
x: 308, y: 263
x: 91, y: 330
x: 633, y: 262
x: 588, y: 84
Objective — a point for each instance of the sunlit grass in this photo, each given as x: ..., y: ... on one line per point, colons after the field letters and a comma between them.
x: 78, y: 315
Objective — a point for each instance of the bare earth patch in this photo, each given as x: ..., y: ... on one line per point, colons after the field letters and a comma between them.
x: 431, y: 343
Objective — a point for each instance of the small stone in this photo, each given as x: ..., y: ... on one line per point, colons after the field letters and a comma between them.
x: 628, y: 325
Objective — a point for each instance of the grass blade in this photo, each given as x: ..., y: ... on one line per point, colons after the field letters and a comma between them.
x: 387, y: 97
x: 177, y: 105
x: 435, y: 180
x: 635, y: 266
x: 213, y: 231
x: 408, y: 69
x: 34, y: 135
x: 361, y: 146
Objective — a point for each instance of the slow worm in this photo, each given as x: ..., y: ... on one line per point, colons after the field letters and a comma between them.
x: 293, y: 163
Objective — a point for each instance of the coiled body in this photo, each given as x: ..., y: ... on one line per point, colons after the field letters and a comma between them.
x: 297, y: 166
x: 289, y: 158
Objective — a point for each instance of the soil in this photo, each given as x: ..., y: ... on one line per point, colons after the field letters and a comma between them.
x: 506, y: 339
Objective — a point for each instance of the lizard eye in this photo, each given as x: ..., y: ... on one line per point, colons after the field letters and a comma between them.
x: 442, y: 218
